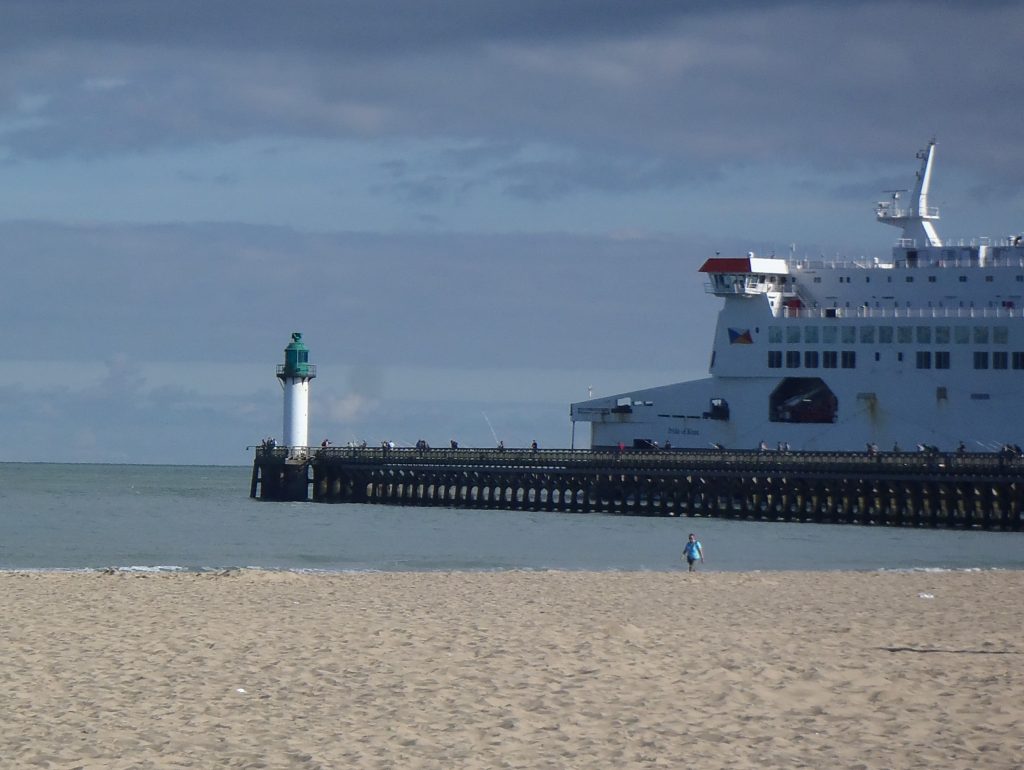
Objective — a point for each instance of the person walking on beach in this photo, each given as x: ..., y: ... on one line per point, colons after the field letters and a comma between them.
x: 693, y: 552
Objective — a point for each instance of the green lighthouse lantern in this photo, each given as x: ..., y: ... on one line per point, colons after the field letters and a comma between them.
x: 296, y: 360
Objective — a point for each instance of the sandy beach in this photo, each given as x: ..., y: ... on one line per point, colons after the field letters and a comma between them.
x: 250, y: 669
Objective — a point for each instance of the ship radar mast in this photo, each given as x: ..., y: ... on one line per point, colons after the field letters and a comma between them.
x: 916, y: 218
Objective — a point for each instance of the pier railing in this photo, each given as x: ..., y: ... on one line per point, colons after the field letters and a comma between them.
x: 721, y: 460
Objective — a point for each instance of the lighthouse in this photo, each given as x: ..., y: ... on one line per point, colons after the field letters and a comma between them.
x: 295, y: 374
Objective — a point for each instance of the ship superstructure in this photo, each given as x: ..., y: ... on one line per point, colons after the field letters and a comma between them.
x: 925, y: 347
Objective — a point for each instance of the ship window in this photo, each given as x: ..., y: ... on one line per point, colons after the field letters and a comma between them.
x: 811, y: 359
x: 961, y: 334
x: 981, y: 359
x: 867, y: 334
x: 811, y: 334
x: 849, y: 359
x: 924, y: 359
x: 909, y: 279
x: 885, y: 334
x: 775, y: 334
x: 817, y: 278
x: 924, y: 335
x: 941, y: 335
x: 1018, y: 359
x: 999, y: 359
x: 904, y: 334
x: 828, y: 334
x: 899, y: 356
x: 774, y: 359
x: 988, y: 279
x: 792, y: 334
x: 1020, y: 278
x: 980, y: 335
x: 941, y: 359
x: 931, y: 279
x: 867, y: 279
x: 963, y: 279
x: 829, y: 359
x: 878, y: 356
x: 849, y: 335
x: 792, y: 359
x: 803, y: 400
x: 1000, y: 335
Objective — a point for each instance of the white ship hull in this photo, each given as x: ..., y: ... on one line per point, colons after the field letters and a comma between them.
x: 923, y: 348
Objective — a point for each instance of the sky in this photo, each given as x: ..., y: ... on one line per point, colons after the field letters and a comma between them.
x: 475, y: 211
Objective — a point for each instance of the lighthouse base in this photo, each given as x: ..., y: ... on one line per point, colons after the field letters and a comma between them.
x: 277, y: 477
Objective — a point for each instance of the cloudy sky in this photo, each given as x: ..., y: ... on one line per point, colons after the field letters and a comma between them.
x: 474, y: 210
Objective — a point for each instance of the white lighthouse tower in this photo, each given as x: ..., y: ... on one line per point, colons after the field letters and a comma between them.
x: 295, y: 375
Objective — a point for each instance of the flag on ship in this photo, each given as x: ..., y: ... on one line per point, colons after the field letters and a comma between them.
x: 740, y: 337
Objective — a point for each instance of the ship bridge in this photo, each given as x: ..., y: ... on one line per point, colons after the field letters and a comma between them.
x: 752, y: 276
x: 747, y: 275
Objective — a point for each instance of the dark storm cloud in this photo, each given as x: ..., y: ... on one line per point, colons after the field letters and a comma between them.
x: 693, y: 86
x: 338, y: 27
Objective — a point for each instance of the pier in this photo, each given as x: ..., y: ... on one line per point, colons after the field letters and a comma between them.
x: 918, y: 489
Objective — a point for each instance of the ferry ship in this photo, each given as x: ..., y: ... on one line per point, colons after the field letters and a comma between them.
x: 923, y: 349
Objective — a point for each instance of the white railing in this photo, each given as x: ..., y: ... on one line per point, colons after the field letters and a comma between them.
x: 888, y: 211
x: 901, y: 312
x: 924, y: 260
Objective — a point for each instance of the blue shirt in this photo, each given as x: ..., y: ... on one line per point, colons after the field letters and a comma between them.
x: 692, y: 550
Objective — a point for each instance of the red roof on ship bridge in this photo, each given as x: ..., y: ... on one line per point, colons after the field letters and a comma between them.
x: 726, y: 265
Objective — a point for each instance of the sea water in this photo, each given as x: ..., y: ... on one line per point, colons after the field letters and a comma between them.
x: 201, y: 518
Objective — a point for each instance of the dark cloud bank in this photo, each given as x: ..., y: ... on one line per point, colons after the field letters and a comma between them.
x: 690, y: 87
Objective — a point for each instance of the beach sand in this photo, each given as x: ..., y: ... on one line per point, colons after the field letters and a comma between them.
x: 251, y: 669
